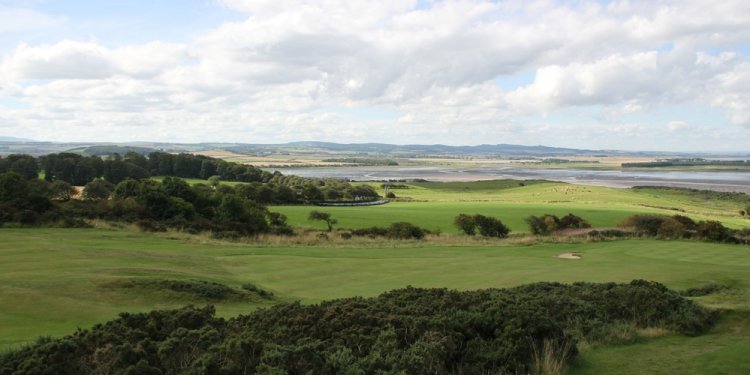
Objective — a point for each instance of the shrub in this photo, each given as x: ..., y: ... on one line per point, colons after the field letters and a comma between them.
x: 250, y: 287
x: 98, y: 189
x: 671, y: 228
x: 704, y: 290
x: 466, y: 224
x: 410, y: 330
x: 714, y: 231
x: 404, y: 231
x: 573, y: 221
x: 491, y: 227
x: 647, y: 225
x: 487, y: 226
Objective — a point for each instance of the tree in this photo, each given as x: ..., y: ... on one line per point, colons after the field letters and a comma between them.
x: 98, y: 189
x: 466, y: 224
x: 25, y: 165
x: 322, y: 216
x: 488, y: 226
x: 62, y: 190
x: 491, y: 227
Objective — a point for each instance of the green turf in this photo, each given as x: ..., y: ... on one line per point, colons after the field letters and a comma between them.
x: 724, y: 350
x: 434, y: 205
x: 55, y: 280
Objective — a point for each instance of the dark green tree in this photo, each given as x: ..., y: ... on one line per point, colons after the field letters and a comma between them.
x: 322, y: 216
x: 466, y: 224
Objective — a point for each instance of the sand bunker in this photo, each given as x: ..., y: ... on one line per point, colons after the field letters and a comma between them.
x: 569, y: 256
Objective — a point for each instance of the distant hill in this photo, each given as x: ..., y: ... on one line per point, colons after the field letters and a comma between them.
x: 14, y: 139
x: 9, y: 145
x: 414, y: 150
x: 114, y: 149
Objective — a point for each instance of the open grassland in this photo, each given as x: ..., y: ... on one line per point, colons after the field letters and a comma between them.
x: 433, y: 205
x: 55, y: 280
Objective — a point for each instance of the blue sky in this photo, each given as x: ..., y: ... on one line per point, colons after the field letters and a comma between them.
x: 672, y: 75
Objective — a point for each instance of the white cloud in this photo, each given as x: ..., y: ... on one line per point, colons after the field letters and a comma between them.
x: 272, y: 76
x: 676, y: 125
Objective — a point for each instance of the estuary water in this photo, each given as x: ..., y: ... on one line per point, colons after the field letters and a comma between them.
x: 705, y: 180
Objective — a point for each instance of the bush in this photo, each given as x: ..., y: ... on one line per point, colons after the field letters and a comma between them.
x: 646, y: 225
x: 404, y: 231
x: 400, y: 230
x: 573, y: 221
x: 408, y: 330
x: 250, y: 287
x: 547, y: 224
x: 98, y: 189
x: 608, y: 233
x: 487, y: 226
x: 714, y: 231
x: 491, y: 227
x: 704, y: 290
x: 466, y: 224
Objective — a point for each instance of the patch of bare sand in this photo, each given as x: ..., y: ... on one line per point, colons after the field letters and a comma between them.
x: 569, y: 256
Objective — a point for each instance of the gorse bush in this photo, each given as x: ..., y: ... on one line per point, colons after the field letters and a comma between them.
x: 678, y: 226
x: 486, y: 225
x: 547, y: 224
x: 400, y: 230
x: 411, y: 330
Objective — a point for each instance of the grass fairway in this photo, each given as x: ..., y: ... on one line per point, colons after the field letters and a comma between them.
x: 55, y: 280
x: 435, y: 205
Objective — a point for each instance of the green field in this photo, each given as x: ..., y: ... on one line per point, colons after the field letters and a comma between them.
x: 53, y: 281
x: 434, y: 205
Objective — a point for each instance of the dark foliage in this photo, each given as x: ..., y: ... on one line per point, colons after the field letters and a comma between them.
x: 704, y: 290
x: 412, y: 330
x: 678, y: 226
x: 547, y: 224
x: 400, y: 230
x: 487, y: 226
x: 193, y: 288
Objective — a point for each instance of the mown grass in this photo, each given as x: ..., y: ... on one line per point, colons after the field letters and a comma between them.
x: 55, y: 280
x: 434, y: 205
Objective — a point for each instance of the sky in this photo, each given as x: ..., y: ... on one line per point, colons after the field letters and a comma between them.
x: 629, y: 75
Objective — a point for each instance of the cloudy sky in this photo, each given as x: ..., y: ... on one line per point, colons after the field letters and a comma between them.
x: 649, y: 75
